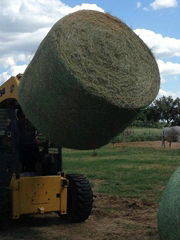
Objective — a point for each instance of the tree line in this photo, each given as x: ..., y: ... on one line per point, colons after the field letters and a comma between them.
x: 163, y: 111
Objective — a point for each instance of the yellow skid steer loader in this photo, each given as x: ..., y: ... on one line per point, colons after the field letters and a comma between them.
x: 32, y: 180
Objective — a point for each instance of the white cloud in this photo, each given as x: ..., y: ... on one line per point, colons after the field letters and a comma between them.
x: 30, y: 15
x: 17, y: 69
x: 83, y: 6
x: 163, y: 47
x: 146, y: 9
x: 138, y: 4
x: 163, y: 80
x: 168, y: 68
x: 22, y: 42
x: 162, y: 93
x: 4, y: 76
x: 167, y: 93
x: 7, y: 61
x: 13, y: 70
x: 158, y: 4
x: 160, y: 45
x: 23, y: 25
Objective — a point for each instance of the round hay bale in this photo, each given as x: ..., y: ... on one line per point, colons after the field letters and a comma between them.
x: 169, y: 209
x: 88, y: 80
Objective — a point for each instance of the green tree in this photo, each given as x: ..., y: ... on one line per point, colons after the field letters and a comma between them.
x: 168, y: 109
x: 164, y: 109
x: 149, y: 117
x: 176, y: 115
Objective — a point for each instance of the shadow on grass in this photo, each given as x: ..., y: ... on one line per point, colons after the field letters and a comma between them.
x: 31, y: 227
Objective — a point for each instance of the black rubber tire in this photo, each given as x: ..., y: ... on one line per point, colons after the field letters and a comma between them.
x: 79, y: 199
x: 4, y: 207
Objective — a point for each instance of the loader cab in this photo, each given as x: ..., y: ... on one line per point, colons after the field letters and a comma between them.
x: 23, y: 149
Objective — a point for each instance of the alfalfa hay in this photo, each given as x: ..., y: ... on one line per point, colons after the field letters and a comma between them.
x: 169, y: 209
x: 89, y: 78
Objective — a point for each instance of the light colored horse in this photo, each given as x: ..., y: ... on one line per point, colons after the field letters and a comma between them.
x: 170, y: 134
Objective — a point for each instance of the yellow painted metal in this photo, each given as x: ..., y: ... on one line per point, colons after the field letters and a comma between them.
x: 42, y: 194
x: 8, y: 90
x: 15, y: 198
x: 63, y: 203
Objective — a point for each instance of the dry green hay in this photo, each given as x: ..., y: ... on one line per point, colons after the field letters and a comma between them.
x: 169, y: 209
x: 89, y: 78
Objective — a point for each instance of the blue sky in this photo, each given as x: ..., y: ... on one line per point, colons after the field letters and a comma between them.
x: 24, y: 23
x: 164, y: 20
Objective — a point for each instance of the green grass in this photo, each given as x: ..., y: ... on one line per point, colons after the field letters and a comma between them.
x: 139, y: 134
x: 127, y: 171
x: 21, y: 232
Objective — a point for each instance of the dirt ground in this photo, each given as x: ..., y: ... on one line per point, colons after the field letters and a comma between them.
x: 112, y: 218
x: 151, y: 144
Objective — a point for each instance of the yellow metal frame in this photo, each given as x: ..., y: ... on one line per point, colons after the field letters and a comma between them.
x: 42, y: 194
x: 8, y: 90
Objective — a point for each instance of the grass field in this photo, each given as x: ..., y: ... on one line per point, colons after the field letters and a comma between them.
x: 127, y: 171
x: 135, y: 134
x: 127, y: 182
